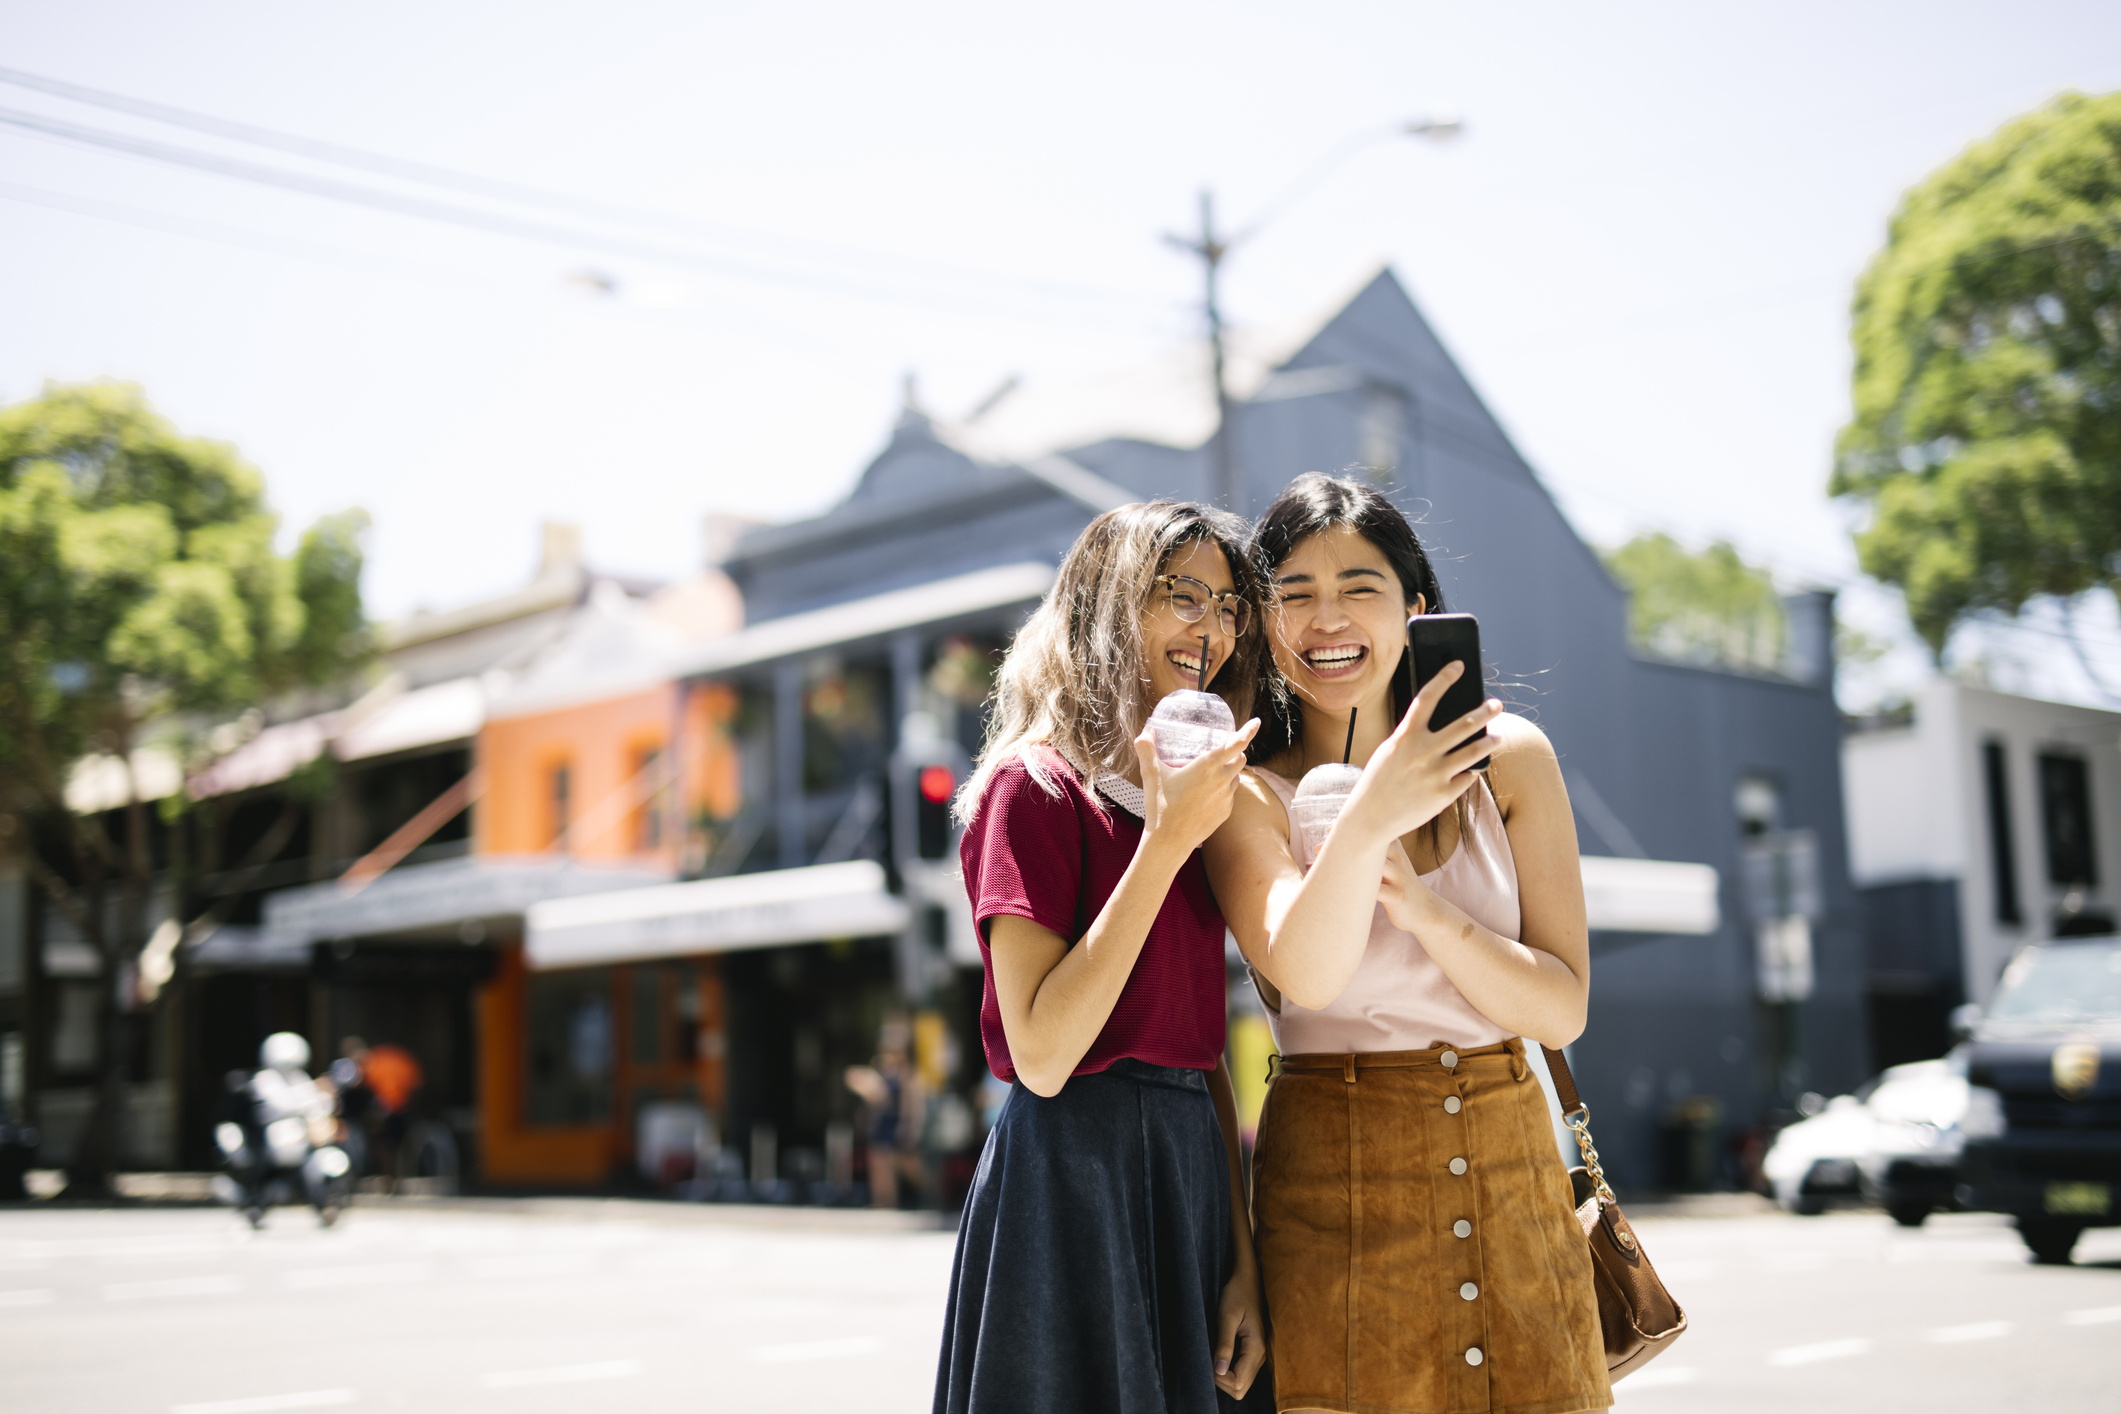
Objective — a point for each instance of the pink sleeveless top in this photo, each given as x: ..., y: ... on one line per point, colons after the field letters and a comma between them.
x: 1399, y: 999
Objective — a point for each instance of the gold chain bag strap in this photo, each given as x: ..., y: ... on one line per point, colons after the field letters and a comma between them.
x: 1639, y: 1316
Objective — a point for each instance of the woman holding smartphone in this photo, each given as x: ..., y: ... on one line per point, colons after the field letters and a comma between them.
x: 1414, y: 1220
x: 1104, y: 1260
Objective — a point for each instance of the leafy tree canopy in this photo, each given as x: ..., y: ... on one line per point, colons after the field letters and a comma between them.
x: 1710, y: 608
x: 138, y: 576
x: 1987, y: 431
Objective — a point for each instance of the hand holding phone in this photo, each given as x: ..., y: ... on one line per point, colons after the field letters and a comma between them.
x: 1437, y: 639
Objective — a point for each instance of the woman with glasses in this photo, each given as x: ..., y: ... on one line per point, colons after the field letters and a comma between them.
x: 1104, y: 1259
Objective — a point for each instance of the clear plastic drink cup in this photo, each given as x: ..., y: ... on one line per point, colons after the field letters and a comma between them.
x: 1320, y: 796
x: 1188, y: 724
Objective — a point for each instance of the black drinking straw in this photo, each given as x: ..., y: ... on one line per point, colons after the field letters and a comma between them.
x: 1204, y: 662
x: 1349, y: 750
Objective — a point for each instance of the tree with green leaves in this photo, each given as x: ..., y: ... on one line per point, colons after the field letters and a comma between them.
x: 1986, y: 441
x: 1710, y: 608
x: 139, y: 586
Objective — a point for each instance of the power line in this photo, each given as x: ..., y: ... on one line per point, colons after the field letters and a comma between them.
x: 470, y: 217
x: 524, y: 194
x: 346, y: 258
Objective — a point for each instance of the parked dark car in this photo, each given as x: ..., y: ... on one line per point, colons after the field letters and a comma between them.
x: 2043, y: 1121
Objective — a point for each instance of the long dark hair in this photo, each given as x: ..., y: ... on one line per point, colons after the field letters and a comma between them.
x: 1311, y: 504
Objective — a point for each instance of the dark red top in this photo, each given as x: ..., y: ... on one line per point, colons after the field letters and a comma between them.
x: 1055, y: 859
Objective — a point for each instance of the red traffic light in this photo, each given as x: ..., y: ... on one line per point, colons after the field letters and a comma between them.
x: 938, y: 783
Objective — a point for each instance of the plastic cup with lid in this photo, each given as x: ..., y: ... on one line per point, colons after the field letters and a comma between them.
x: 1189, y: 724
x: 1320, y: 797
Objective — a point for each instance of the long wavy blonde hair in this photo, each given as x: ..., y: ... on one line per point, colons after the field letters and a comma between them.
x: 1075, y: 679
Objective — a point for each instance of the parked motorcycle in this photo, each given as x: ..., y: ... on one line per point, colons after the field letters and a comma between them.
x: 280, y: 1143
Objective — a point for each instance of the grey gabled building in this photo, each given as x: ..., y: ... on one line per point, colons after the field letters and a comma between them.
x: 1668, y: 762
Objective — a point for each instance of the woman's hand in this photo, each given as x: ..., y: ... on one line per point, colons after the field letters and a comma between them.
x: 1416, y: 774
x: 1186, y: 804
x: 1402, y: 893
x: 1240, y: 1332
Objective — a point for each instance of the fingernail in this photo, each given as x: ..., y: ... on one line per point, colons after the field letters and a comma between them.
x: 1222, y: 1367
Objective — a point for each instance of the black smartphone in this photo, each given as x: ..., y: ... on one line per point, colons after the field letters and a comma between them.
x: 1437, y: 639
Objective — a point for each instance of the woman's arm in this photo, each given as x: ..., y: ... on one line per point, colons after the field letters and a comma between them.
x: 1306, y: 932
x: 1270, y: 903
x: 1055, y: 998
x: 1240, y: 1338
x: 1539, y: 987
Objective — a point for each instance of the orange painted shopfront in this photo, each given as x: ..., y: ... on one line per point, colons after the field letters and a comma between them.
x: 568, y: 1058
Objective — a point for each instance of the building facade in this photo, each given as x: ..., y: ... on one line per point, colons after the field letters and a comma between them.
x: 1979, y: 821
x: 683, y: 878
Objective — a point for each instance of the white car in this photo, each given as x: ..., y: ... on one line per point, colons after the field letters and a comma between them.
x: 1896, y: 1141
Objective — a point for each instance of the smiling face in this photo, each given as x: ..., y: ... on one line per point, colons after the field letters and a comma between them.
x: 1339, y: 622
x: 1170, y: 645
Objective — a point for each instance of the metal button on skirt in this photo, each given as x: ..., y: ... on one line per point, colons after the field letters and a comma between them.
x: 1421, y: 1258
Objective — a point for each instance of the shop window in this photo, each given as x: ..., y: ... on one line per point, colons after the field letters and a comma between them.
x: 844, y: 733
x: 562, y: 800
x: 1995, y: 779
x: 570, y: 1048
x: 76, y: 1027
x: 2066, y: 819
x: 655, y: 800
x: 648, y: 1023
x: 12, y: 1073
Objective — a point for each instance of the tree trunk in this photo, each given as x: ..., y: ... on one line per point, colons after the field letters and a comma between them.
x: 96, y: 1159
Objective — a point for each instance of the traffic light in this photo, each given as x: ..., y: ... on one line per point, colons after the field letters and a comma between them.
x: 934, y: 785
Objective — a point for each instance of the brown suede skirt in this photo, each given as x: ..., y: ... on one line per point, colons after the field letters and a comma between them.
x: 1415, y: 1233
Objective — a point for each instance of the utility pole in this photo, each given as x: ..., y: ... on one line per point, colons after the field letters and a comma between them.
x: 1211, y: 248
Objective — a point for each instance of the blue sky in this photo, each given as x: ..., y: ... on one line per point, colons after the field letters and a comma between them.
x: 1642, y: 249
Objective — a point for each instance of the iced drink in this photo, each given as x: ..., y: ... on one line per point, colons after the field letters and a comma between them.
x: 1320, y: 796
x: 1188, y: 724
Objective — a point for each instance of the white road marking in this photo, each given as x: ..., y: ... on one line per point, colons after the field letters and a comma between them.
x: 535, y: 1264
x: 381, y: 1273
x: 1979, y: 1330
x: 2096, y: 1316
x: 561, y: 1374
x: 1658, y: 1376
x: 304, y: 1399
x: 26, y: 1296
x: 174, y: 1286
x: 1825, y: 1350
x: 818, y: 1350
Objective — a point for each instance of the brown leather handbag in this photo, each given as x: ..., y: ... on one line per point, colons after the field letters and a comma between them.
x: 1639, y: 1317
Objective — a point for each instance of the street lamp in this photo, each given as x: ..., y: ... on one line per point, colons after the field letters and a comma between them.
x: 1210, y: 248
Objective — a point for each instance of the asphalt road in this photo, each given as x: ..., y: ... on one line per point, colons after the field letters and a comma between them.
x: 623, y: 1306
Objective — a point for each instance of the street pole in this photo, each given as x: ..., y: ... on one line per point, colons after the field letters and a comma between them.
x: 1211, y: 249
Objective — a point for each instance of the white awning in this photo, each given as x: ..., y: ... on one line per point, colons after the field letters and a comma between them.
x: 441, y: 893
x: 805, y: 905
x: 1649, y: 895
x: 935, y: 602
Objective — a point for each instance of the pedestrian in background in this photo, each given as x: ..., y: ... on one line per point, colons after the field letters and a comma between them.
x: 380, y: 1082
x: 1104, y: 1261
x: 897, y: 1105
x: 1416, y: 1228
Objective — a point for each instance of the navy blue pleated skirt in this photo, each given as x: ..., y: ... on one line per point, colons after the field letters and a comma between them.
x: 1092, y: 1254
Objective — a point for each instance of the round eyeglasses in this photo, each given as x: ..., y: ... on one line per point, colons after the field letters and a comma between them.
x: 1188, y: 598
